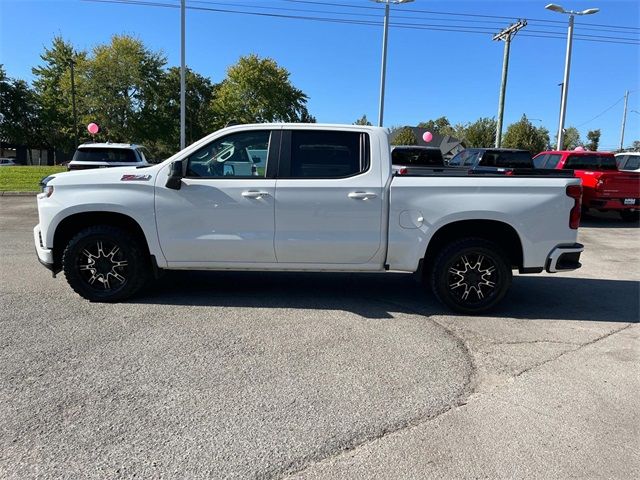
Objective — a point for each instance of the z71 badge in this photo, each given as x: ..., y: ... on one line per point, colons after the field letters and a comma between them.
x: 135, y: 178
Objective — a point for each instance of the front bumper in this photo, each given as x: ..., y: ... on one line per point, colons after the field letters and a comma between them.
x: 45, y: 255
x: 564, y: 258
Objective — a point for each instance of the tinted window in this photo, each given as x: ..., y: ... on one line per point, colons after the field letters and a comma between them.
x: 105, y: 155
x: 240, y: 154
x: 539, y: 161
x: 323, y: 154
x: 590, y: 162
x: 553, y: 160
x: 464, y: 158
x: 514, y: 160
x: 632, y: 163
x: 416, y: 156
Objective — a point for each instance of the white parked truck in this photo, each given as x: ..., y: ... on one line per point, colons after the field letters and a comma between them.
x: 304, y: 197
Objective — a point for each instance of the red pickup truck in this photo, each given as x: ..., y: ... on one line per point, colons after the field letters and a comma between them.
x: 604, y: 187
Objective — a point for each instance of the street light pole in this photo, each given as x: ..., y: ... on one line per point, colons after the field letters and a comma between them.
x: 567, y: 64
x: 383, y: 70
x: 565, y: 84
x: 182, y: 77
x: 384, y: 63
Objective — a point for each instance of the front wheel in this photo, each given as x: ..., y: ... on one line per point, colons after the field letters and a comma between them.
x: 471, y: 276
x: 105, y: 264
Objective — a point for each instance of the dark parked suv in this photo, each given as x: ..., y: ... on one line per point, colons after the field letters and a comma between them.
x: 492, y: 159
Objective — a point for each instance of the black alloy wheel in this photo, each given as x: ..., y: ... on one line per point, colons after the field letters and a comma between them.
x: 471, y: 276
x: 105, y: 264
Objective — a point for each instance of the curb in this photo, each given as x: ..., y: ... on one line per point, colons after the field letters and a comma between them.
x: 18, y: 194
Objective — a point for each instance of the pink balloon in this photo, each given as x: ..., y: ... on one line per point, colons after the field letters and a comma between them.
x: 579, y: 148
x: 93, y: 128
x: 427, y: 136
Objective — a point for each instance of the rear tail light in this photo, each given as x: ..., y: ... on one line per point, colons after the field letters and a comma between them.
x: 403, y: 171
x: 575, y: 192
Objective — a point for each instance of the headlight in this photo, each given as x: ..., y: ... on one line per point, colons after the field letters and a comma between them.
x: 47, y: 191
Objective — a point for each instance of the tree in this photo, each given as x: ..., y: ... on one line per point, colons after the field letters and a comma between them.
x: 362, y: 121
x: 523, y: 134
x: 404, y: 137
x: 163, y: 132
x: 594, y: 140
x: 439, y: 126
x: 258, y: 90
x: 52, y: 86
x: 635, y: 146
x: 571, y: 139
x: 19, y: 121
x: 479, y: 134
x: 124, y: 77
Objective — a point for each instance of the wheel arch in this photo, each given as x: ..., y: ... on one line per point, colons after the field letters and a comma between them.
x: 71, y: 225
x: 498, y: 232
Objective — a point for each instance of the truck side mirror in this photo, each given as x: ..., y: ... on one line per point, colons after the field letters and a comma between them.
x: 175, y: 175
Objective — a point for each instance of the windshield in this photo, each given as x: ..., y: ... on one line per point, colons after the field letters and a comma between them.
x: 108, y: 155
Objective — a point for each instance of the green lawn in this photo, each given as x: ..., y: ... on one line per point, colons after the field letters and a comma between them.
x: 24, y: 179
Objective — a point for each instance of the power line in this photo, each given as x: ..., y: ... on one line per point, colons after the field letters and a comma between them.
x: 512, y: 18
x: 414, y: 26
x: 602, y: 113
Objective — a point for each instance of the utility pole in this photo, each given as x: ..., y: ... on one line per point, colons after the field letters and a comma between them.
x: 182, y: 77
x: 624, y: 119
x: 73, y: 102
x: 505, y: 35
x: 565, y: 85
x: 384, y: 63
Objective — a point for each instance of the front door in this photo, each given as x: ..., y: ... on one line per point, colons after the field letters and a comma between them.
x: 224, y: 210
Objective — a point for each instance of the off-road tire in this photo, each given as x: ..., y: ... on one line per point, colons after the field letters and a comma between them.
x: 492, y: 276
x: 104, y: 263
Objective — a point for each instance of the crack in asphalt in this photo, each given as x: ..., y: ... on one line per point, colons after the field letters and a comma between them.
x: 580, y: 347
x: 468, y: 389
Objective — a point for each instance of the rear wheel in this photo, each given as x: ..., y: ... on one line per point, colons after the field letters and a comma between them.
x: 105, y: 264
x: 471, y: 276
x: 630, y: 216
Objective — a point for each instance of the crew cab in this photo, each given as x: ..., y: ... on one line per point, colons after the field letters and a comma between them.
x: 304, y: 197
x: 605, y: 188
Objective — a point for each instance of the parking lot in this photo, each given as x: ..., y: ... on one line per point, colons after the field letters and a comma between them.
x: 268, y: 375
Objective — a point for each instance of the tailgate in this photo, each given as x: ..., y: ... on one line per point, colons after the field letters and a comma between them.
x: 619, y: 185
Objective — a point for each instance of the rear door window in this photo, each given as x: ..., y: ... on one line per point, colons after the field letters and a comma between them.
x: 325, y: 154
x: 540, y: 160
x: 552, y: 160
x: 632, y: 162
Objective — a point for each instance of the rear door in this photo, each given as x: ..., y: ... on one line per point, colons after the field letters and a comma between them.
x: 329, y: 198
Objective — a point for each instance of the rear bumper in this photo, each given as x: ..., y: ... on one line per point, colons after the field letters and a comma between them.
x: 45, y: 255
x: 612, y: 203
x: 564, y: 258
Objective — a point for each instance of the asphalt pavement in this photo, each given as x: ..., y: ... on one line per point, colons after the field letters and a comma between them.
x: 268, y: 375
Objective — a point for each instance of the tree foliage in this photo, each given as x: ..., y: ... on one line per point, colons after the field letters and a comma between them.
x: 523, y: 134
x: 404, y: 137
x: 19, y: 121
x: 479, y: 134
x: 362, y: 121
x: 258, y: 90
x: 439, y: 126
x: 571, y: 139
x: 594, y: 140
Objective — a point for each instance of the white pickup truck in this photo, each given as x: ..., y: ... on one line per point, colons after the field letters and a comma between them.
x: 304, y: 197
